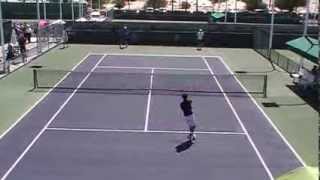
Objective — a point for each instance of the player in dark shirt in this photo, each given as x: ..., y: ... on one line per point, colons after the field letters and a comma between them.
x: 124, y: 37
x: 186, y: 108
x: 22, y: 46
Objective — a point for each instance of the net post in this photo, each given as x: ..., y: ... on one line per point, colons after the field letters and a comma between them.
x: 265, y: 84
x: 35, y: 79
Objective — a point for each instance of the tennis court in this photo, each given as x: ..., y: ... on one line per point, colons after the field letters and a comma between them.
x: 117, y: 116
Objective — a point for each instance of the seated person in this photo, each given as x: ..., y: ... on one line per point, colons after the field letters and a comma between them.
x: 305, y: 79
x: 315, y: 70
x: 316, y: 75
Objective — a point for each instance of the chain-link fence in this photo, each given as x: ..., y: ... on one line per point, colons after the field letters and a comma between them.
x: 261, y: 45
x: 49, y: 36
x: 42, y: 40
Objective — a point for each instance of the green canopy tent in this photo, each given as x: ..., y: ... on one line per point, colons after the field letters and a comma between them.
x: 305, y: 46
x: 215, y: 16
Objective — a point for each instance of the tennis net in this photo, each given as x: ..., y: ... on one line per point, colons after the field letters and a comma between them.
x: 158, y: 83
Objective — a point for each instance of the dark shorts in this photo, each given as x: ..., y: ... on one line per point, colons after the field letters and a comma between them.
x: 190, y: 120
x: 10, y: 56
x: 22, y: 48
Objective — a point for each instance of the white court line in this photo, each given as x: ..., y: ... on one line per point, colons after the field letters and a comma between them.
x: 241, y: 123
x: 149, y: 68
x: 49, y: 122
x: 148, y: 55
x: 149, y: 102
x: 38, y: 101
x: 157, y: 55
x: 143, y: 131
x: 266, y: 116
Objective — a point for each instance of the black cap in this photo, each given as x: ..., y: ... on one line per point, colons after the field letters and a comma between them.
x: 184, y: 96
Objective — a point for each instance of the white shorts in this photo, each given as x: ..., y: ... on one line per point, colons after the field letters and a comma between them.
x: 190, y: 120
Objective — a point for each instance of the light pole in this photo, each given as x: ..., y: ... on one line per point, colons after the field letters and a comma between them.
x: 72, y: 10
x: 38, y: 31
x: 235, y: 12
x: 226, y: 12
x: 79, y: 8
x: 306, y: 19
x: 186, y: 6
x: 197, y: 5
x: 60, y: 9
x: 305, y: 29
x: 82, y: 3
x: 44, y: 10
x: 271, y: 27
x: 171, y: 5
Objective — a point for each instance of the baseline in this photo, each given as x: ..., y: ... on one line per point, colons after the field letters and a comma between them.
x: 147, y: 55
x: 149, y: 68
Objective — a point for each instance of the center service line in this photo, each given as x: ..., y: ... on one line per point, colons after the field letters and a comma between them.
x: 149, y: 102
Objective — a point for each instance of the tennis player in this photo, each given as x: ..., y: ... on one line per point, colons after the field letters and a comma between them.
x: 200, y: 35
x: 186, y: 108
x: 124, y: 37
x: 64, y: 39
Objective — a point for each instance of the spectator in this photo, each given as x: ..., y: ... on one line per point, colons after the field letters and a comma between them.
x: 17, y: 29
x: 28, y: 33
x: 10, y: 56
x: 316, y: 73
x: 35, y: 30
x: 314, y: 70
x: 10, y: 52
x: 308, y: 80
x: 24, y: 29
x: 200, y: 35
x: 64, y: 39
x: 22, y: 46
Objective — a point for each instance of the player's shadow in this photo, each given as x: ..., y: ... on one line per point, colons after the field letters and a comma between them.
x: 183, y: 146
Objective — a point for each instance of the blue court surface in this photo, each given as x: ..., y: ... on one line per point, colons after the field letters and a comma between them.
x: 76, y: 133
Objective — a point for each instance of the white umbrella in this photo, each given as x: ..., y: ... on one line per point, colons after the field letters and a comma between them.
x: 58, y: 22
x: 82, y: 19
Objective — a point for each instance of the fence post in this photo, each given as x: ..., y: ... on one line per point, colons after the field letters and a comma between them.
x: 48, y: 34
x: 35, y: 79
x: 269, y: 54
x: 287, y: 65
x: 278, y: 57
x: 38, y: 29
x: 265, y: 85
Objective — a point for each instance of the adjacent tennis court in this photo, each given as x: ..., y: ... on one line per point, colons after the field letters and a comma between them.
x: 117, y: 116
